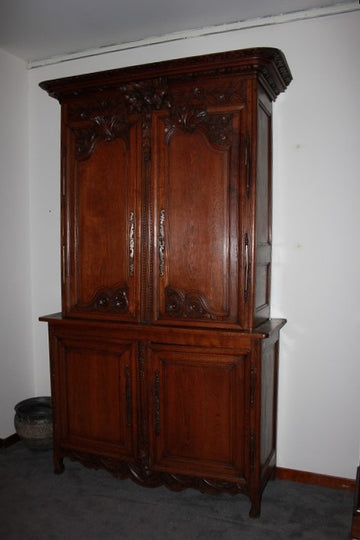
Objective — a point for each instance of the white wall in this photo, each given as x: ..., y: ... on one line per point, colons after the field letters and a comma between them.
x: 16, y: 363
x: 316, y: 223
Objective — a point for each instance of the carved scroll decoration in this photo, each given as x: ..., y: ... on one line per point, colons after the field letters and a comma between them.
x: 147, y: 477
x: 218, y: 127
x: 143, y: 96
x: 189, y: 305
x: 108, y: 300
x: 189, y: 110
x: 107, y: 123
x: 104, y: 129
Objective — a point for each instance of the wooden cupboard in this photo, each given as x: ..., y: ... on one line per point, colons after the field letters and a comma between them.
x: 164, y: 358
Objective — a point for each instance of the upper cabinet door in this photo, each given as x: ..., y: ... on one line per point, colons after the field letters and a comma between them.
x: 101, y: 210
x: 198, y: 160
x: 166, y: 190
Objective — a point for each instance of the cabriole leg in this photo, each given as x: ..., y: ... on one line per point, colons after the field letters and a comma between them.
x: 255, y: 507
x: 58, y: 464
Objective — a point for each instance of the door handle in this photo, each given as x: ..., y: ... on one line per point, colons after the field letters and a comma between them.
x: 162, y: 243
x: 131, y: 243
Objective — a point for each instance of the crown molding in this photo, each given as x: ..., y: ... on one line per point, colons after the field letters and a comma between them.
x: 315, y: 13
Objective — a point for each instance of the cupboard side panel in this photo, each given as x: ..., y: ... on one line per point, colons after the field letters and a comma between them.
x: 262, y: 288
x: 269, y: 389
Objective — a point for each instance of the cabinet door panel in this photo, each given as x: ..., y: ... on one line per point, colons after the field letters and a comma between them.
x: 102, y: 216
x: 198, y: 421
x: 197, y: 177
x: 94, y: 395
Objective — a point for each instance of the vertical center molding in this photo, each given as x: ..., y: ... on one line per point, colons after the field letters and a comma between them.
x: 157, y: 402
x: 131, y: 243
x: 162, y: 243
x: 147, y: 228
x: 128, y: 395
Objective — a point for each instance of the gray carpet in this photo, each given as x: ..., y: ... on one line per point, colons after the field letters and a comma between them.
x: 84, y: 504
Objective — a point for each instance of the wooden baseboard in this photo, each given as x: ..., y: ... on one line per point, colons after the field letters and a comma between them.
x: 355, y: 527
x: 346, y: 484
x: 304, y: 477
x: 9, y: 441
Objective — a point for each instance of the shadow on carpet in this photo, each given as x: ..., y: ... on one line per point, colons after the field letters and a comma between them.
x: 85, y: 504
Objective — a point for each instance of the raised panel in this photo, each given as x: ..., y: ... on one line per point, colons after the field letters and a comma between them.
x: 269, y: 375
x: 262, y: 291
x: 197, y: 202
x: 102, y: 240
x: 198, y: 422
x: 95, y: 396
x: 262, y: 270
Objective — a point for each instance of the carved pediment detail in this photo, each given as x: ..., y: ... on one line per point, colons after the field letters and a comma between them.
x: 142, y: 474
x: 218, y: 127
x: 144, y: 96
x: 97, y: 121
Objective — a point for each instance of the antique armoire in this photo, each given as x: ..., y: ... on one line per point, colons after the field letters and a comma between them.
x: 164, y: 359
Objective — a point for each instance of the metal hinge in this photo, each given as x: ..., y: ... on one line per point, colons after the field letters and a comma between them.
x: 246, y: 267
x: 247, y: 165
x: 157, y: 402
x: 252, y: 385
x: 252, y: 451
x: 128, y: 395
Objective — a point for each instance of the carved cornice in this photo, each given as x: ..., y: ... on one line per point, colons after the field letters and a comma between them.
x: 268, y: 64
x: 221, y: 93
x: 94, y: 108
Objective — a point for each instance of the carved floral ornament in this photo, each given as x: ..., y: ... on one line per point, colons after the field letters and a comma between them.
x: 108, y: 119
x: 144, y: 96
x: 218, y: 127
x: 140, y: 472
x: 189, y: 305
x: 109, y: 300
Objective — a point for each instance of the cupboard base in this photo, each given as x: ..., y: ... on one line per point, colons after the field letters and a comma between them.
x: 146, y: 477
x: 175, y: 408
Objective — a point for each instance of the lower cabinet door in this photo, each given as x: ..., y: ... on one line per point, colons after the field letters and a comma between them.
x: 198, y: 420
x: 94, y: 396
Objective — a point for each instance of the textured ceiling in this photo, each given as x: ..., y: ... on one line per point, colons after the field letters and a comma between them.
x: 36, y: 30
